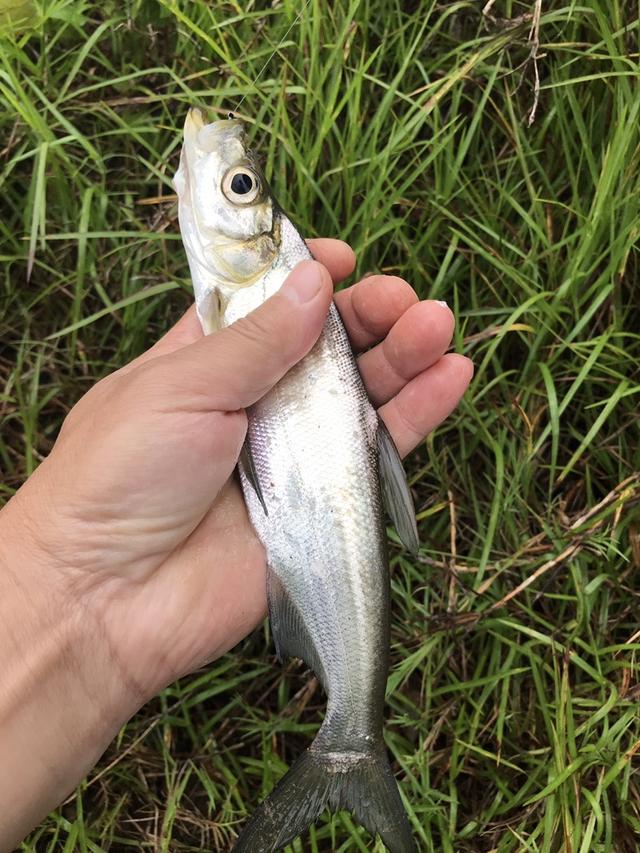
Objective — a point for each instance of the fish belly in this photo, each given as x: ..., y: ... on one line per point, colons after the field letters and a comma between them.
x: 313, y: 442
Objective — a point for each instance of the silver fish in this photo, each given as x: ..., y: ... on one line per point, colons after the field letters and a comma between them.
x: 314, y: 458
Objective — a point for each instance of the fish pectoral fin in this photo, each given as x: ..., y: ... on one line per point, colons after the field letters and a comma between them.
x: 249, y: 469
x: 395, y: 490
x: 208, y: 311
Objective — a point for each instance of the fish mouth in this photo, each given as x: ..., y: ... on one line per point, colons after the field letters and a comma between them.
x: 211, y: 136
x: 194, y: 120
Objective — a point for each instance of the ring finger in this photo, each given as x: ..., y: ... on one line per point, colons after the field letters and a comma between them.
x: 417, y: 340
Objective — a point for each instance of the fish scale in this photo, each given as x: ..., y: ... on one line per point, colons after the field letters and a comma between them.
x: 311, y: 475
x: 294, y: 446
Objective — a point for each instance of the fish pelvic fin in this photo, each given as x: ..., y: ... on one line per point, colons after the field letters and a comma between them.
x: 361, y: 783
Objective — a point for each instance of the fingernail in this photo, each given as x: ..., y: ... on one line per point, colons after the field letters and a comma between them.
x: 442, y: 302
x: 303, y: 283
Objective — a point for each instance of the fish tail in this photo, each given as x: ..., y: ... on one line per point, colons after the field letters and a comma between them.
x: 361, y: 783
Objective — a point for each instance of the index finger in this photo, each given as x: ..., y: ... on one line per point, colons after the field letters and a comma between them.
x: 336, y: 255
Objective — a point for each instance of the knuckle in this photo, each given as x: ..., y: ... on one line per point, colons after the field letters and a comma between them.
x: 408, y: 421
x: 257, y: 335
x: 252, y: 328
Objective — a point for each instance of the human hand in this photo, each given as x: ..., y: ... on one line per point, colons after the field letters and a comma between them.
x: 138, y: 510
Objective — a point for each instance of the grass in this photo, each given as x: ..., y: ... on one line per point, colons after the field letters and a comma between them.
x: 403, y: 127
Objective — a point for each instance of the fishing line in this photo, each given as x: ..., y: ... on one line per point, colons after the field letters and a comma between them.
x: 277, y: 48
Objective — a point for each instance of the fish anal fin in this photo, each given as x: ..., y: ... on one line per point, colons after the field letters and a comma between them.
x: 289, y: 631
x: 395, y: 490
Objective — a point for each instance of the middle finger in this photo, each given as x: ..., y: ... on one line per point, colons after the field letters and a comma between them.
x: 370, y: 308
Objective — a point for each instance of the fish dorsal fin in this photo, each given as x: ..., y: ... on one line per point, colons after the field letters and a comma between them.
x: 395, y: 490
x: 249, y: 469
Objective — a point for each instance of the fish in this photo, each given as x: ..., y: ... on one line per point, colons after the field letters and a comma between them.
x: 316, y: 467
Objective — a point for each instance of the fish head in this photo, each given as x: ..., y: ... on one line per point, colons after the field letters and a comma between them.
x: 228, y: 218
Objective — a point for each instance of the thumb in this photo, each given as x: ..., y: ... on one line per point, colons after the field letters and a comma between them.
x: 236, y: 366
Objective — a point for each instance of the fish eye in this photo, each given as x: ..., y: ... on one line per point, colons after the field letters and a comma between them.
x: 241, y: 185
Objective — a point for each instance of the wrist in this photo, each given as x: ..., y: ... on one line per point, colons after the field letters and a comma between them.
x: 62, y: 696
